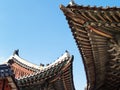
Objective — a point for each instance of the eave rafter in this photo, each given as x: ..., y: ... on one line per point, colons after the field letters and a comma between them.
x: 77, y: 19
x: 92, y: 28
x: 82, y: 44
x: 52, y: 74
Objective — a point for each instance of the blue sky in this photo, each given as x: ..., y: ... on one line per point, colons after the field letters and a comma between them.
x: 40, y: 31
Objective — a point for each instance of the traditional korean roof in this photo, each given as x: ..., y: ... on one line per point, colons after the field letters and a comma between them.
x: 96, y: 31
x: 5, y: 71
x: 58, y: 75
x: 6, y: 75
x: 22, y: 62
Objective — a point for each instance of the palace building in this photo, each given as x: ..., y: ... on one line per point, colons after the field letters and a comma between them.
x: 96, y: 31
x: 19, y: 74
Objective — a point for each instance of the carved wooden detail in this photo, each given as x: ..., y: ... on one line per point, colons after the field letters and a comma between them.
x: 96, y: 31
x: 113, y: 69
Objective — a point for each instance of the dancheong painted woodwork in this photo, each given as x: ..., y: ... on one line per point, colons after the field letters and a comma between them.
x: 19, y: 74
x: 7, y: 80
x: 96, y: 31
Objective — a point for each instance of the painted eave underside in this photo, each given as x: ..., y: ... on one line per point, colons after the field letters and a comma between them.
x: 23, y: 63
x: 58, y: 75
x: 96, y: 31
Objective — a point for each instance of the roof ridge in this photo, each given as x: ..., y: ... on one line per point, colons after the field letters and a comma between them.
x: 23, y: 61
x: 65, y: 57
x: 94, y: 7
x: 26, y: 62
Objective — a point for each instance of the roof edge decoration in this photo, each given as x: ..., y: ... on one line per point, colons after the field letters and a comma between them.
x: 60, y: 71
x: 93, y: 28
x: 65, y: 57
x: 72, y: 3
x: 22, y: 61
x: 55, y: 76
x: 68, y: 13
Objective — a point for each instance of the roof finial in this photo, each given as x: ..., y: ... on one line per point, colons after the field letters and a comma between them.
x: 16, y: 52
x: 72, y: 3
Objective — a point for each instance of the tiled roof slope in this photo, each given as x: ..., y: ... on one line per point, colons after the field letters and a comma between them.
x: 22, y: 62
x: 96, y: 31
x: 58, y: 75
x: 20, y: 66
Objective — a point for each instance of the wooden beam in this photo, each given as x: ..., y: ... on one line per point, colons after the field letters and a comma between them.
x: 99, y: 32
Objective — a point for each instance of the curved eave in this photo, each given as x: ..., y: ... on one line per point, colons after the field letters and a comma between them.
x: 24, y: 63
x: 102, y: 19
x: 50, y: 69
x: 68, y: 75
x: 91, y: 28
x: 52, y: 73
x: 90, y: 72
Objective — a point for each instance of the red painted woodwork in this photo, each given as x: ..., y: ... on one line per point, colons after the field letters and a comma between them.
x: 4, y: 85
x: 20, y: 71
